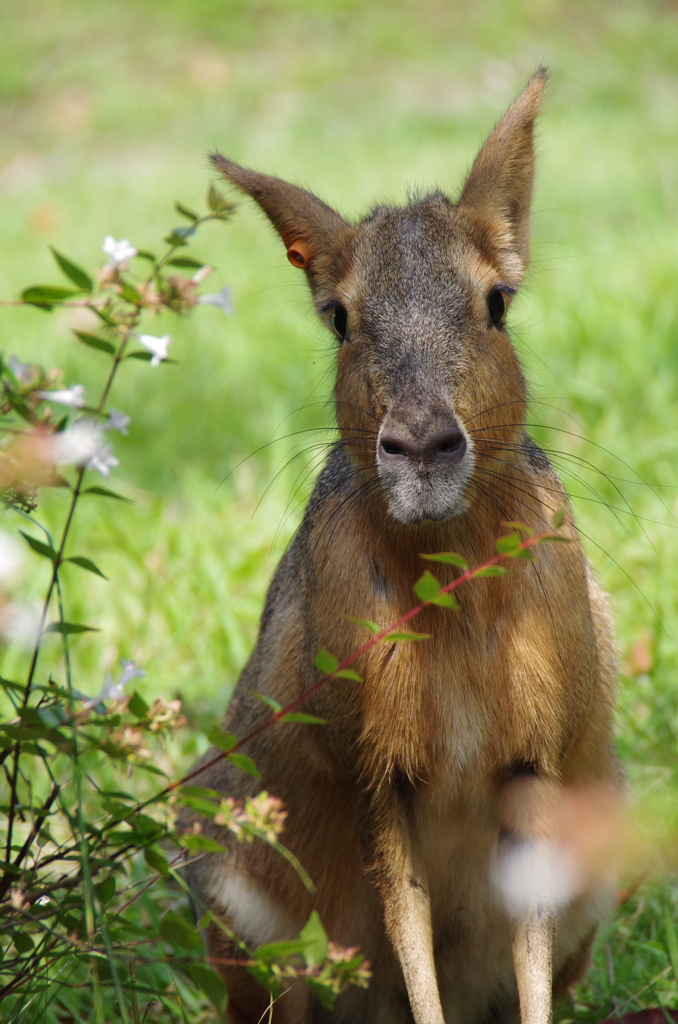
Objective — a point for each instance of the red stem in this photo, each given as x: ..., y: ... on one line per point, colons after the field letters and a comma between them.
x: 377, y: 638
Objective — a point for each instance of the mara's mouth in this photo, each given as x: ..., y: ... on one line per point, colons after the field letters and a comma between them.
x: 426, y: 485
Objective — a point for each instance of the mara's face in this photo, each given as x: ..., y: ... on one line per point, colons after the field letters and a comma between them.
x: 429, y: 388
x: 430, y: 396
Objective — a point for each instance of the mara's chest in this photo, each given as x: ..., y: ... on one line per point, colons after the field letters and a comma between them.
x: 495, y: 682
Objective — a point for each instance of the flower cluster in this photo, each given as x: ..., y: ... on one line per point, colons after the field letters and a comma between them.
x: 112, y: 690
x: 261, y: 816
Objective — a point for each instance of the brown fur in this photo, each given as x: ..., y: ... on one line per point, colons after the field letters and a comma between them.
x: 395, y: 806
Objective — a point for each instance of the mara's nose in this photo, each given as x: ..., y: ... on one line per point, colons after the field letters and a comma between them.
x: 440, y: 445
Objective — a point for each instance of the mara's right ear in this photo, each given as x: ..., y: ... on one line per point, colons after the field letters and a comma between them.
x: 499, y: 186
x: 308, y: 227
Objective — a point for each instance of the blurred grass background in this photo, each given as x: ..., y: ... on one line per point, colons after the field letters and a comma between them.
x: 107, y: 112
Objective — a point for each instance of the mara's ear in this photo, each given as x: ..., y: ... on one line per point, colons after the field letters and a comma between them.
x: 308, y: 227
x: 499, y: 186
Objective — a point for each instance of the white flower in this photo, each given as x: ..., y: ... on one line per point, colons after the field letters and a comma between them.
x: 103, y: 460
x: 78, y: 443
x: 11, y: 558
x: 118, y: 252
x: 222, y: 299
x: 112, y: 690
x: 73, y: 396
x: 117, y: 421
x: 157, y: 346
x: 22, y: 371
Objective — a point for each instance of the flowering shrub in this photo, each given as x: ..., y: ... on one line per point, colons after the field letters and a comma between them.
x: 81, y: 937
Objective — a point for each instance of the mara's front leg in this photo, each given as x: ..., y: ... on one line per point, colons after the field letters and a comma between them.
x: 532, y: 946
x: 399, y: 875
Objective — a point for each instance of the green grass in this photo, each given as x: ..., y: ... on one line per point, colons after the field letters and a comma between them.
x: 108, y: 112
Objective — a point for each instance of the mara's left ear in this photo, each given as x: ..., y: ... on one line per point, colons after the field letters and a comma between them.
x: 498, y: 189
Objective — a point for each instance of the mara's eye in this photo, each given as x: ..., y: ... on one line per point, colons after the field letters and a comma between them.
x: 339, y: 322
x: 496, y: 306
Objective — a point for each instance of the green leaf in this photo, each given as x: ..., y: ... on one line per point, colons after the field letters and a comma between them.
x: 526, y: 554
x: 92, y: 341
x: 348, y: 673
x: 185, y: 261
x: 398, y: 635
x: 145, y: 766
x: 145, y: 356
x: 448, y: 558
x: 185, y: 212
x: 201, y: 844
x: 105, y: 492
x: 22, y: 941
x: 507, y: 544
x: 273, y: 704
x: 147, y: 255
x: 129, y: 293
x: 106, y: 890
x: 46, y: 296
x: 209, y: 982
x: 46, y: 550
x: 207, y: 806
x: 323, y: 991
x: 245, y: 763
x: 178, y: 236
x: 103, y: 316
x: 326, y: 662
x: 556, y: 523
x: 73, y: 272
x: 279, y: 950
x: 555, y: 538
x: 178, y: 932
x: 522, y: 528
x: 427, y: 587
x: 302, y: 717
x: 217, y: 202
x: 157, y: 860
x: 367, y: 623
x: 446, y: 601
x: 220, y: 739
x: 315, y: 940
x: 214, y: 198
x: 199, y: 792
x: 490, y: 570
x: 19, y: 405
x: 67, y: 628
x: 9, y: 684
x: 137, y: 705
x: 671, y: 941
x: 86, y: 563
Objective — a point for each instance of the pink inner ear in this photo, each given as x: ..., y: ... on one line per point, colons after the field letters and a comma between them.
x: 299, y: 253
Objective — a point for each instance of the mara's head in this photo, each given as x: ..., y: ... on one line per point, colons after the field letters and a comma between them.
x: 429, y: 389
